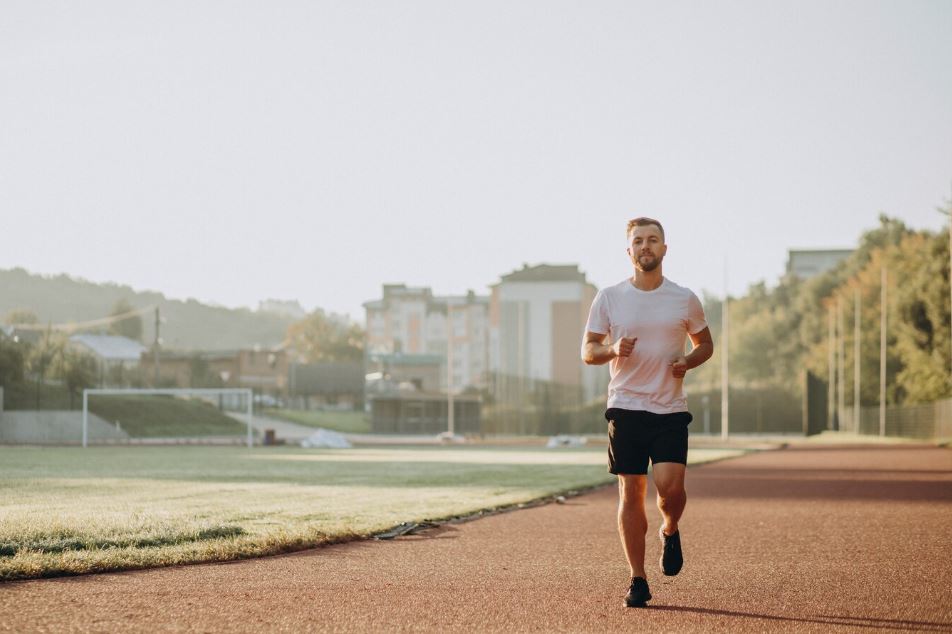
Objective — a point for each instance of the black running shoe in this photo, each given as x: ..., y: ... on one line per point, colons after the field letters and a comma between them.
x: 638, y: 594
x: 671, y: 557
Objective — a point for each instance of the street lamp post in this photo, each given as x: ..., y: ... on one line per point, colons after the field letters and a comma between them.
x: 451, y: 419
x: 725, y: 377
x: 882, y: 353
x: 856, y: 361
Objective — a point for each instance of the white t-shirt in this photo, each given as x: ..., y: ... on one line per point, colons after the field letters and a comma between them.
x: 661, y: 320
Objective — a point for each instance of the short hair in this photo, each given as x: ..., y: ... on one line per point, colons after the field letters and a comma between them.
x: 644, y: 222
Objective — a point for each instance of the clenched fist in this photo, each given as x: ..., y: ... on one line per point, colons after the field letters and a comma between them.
x: 679, y: 366
x: 624, y: 346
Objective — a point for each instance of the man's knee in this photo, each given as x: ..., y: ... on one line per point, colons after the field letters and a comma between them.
x: 631, y: 489
x: 669, y: 479
x: 670, y: 489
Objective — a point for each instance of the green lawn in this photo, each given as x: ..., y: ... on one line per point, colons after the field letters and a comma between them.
x: 344, y: 422
x: 70, y: 510
x: 164, y: 416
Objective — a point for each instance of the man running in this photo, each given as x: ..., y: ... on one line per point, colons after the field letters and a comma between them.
x: 639, y: 326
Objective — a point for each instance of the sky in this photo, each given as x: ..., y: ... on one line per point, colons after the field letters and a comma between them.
x: 315, y: 150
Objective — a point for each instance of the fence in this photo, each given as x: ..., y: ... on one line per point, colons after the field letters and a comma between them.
x: 926, y: 421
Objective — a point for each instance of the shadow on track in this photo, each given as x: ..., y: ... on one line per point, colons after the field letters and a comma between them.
x: 824, y: 619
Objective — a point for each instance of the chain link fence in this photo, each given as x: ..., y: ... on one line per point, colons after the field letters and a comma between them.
x: 927, y: 421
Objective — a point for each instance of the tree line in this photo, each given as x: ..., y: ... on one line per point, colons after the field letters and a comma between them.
x: 777, y: 333
x: 186, y: 324
x: 44, y: 370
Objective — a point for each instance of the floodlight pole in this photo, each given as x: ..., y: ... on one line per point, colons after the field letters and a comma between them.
x: 831, y: 373
x: 85, y: 417
x: 250, y: 396
x: 840, y: 364
x: 856, y: 361
x: 520, y: 365
x: 949, y: 212
x: 155, y: 349
x: 882, y: 353
x: 725, y: 376
x: 450, y: 420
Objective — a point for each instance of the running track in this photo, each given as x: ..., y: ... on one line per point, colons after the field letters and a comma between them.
x: 805, y: 539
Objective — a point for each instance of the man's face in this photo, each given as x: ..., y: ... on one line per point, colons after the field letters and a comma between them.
x: 646, y: 248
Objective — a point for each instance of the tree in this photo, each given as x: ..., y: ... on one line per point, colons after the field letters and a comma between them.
x: 778, y: 332
x: 130, y: 327
x: 200, y: 373
x: 322, y: 337
x: 921, y: 266
x: 11, y: 362
x: 78, y: 372
x: 21, y: 316
x: 42, y: 356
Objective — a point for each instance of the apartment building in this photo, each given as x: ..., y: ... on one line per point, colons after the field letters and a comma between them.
x: 537, y: 315
x: 409, y: 322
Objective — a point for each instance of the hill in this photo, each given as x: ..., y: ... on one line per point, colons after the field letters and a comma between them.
x: 187, y: 325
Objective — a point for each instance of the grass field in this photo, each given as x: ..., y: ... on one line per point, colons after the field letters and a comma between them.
x: 344, y: 422
x: 164, y: 416
x: 71, y: 511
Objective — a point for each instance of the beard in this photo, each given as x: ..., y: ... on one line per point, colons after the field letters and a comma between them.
x: 649, y: 265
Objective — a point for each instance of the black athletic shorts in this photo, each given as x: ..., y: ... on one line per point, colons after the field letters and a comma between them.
x: 635, y: 437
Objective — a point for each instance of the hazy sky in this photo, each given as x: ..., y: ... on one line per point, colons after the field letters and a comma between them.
x: 234, y: 151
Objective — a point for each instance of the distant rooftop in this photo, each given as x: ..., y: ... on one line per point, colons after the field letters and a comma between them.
x: 424, y: 293
x: 546, y: 273
x: 111, y: 347
x: 806, y: 263
x: 399, y: 358
x: 461, y: 300
x: 285, y: 307
x: 402, y: 290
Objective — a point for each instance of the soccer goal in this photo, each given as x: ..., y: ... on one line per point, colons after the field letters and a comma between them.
x: 135, y: 406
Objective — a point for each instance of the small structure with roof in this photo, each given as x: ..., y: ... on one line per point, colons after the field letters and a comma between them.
x: 113, y: 354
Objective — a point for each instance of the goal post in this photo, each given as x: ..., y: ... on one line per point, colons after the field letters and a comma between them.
x: 245, y: 392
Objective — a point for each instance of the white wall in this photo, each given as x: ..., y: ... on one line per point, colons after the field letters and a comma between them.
x: 537, y: 297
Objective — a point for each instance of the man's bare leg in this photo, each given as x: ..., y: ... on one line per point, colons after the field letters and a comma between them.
x: 669, y: 481
x: 632, y: 521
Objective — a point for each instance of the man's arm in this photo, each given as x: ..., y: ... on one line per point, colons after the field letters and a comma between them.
x: 703, y: 348
x: 596, y: 352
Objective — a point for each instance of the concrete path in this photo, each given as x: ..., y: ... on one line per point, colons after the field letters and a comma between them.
x: 284, y: 430
x: 806, y: 539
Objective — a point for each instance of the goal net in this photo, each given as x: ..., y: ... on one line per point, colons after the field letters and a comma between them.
x: 168, y: 415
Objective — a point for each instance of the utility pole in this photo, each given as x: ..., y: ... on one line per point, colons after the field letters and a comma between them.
x: 725, y: 376
x: 155, y: 348
x: 831, y: 375
x: 449, y: 369
x: 949, y: 213
x: 856, y: 361
x: 520, y: 366
x: 882, y: 352
x: 840, y: 363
